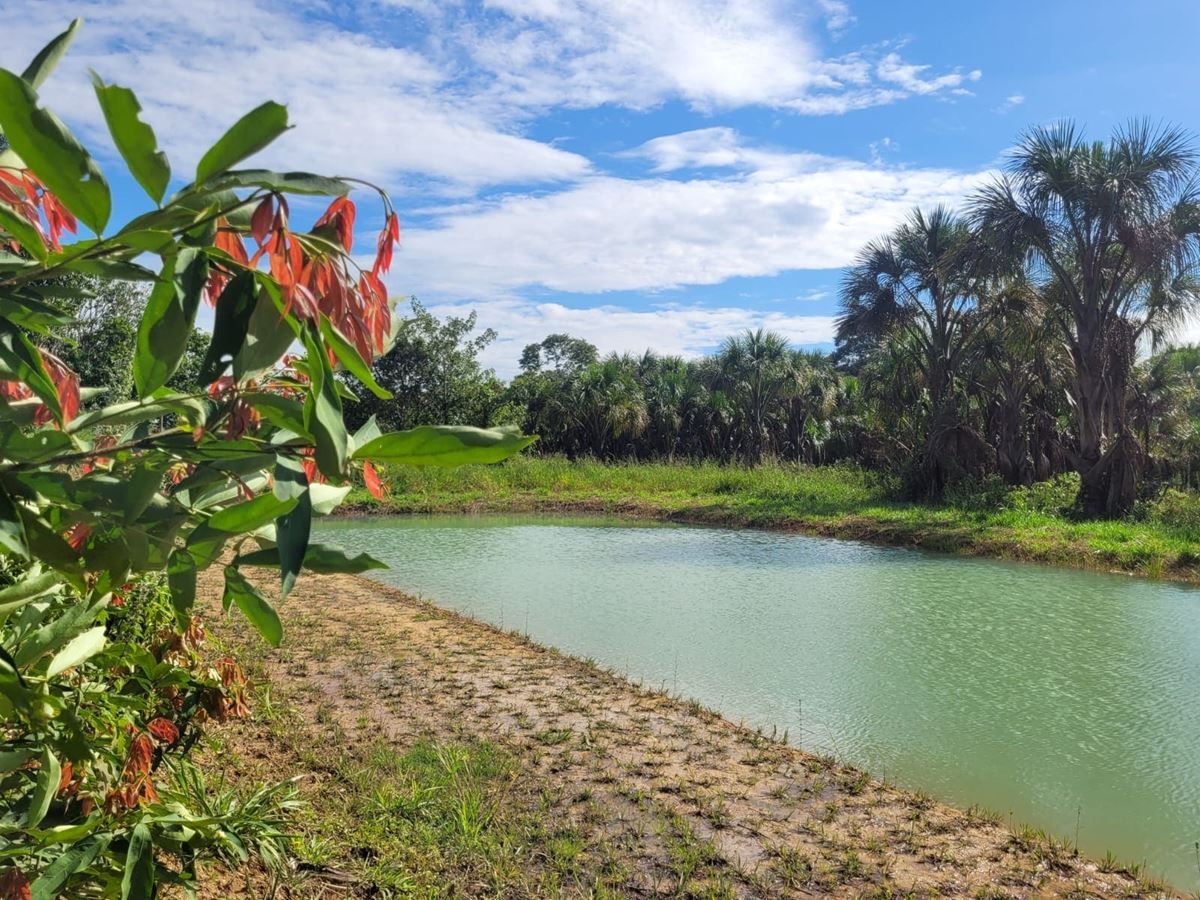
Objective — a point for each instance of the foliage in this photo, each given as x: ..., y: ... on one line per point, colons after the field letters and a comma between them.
x: 432, y: 373
x: 103, y: 685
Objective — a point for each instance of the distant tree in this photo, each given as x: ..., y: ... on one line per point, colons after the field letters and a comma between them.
x: 559, y: 353
x: 434, y: 374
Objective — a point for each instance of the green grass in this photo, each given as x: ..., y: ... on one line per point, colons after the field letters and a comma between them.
x: 1030, y: 524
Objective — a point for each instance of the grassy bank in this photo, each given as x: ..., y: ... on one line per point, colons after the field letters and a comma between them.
x: 1162, y: 541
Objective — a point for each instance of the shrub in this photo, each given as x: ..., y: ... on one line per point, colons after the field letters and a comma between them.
x: 103, y: 688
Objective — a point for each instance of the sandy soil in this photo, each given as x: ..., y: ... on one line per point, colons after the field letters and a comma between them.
x: 634, y: 770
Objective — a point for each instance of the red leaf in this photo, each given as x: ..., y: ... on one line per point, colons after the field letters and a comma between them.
x: 373, y: 482
x: 14, y: 885
x: 260, y: 221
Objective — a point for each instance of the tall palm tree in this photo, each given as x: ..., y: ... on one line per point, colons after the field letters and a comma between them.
x: 755, y: 367
x: 1110, y: 235
x: 920, y: 283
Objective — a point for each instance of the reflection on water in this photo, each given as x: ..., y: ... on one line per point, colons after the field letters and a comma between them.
x: 1048, y: 695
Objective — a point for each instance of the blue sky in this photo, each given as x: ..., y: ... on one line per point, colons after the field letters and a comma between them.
x: 641, y: 174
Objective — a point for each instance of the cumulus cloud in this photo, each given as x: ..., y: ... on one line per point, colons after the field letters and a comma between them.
x: 774, y: 213
x: 361, y: 104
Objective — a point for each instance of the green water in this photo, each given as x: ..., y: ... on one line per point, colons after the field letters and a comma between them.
x: 1061, y: 699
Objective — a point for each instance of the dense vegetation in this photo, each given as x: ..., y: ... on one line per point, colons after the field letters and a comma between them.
x: 1018, y: 340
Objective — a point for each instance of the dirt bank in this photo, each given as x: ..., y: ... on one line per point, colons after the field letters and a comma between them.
x: 659, y: 796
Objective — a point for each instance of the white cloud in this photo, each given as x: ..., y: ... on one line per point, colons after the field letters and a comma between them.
x: 361, y: 105
x: 393, y: 90
x: 1011, y: 102
x: 778, y: 212
x: 676, y: 329
x: 837, y: 15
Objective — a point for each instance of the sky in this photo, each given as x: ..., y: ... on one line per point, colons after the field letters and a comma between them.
x: 646, y: 175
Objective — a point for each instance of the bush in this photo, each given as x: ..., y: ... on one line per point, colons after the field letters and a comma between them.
x: 1055, y: 497
x: 108, y: 515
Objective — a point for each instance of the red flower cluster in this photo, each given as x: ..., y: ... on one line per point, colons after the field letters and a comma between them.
x: 66, y: 385
x: 27, y: 197
x: 315, y: 280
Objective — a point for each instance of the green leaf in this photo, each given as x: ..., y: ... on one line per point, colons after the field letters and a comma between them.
x: 134, y: 139
x: 322, y: 558
x: 48, y: 57
x: 12, y: 528
x: 268, y: 333
x: 243, y: 517
x: 291, y: 534
x: 235, y: 307
x: 280, y: 411
x: 254, y: 606
x: 349, y: 357
x: 181, y: 581
x: 53, y: 154
x: 44, y: 789
x: 323, y: 411
x: 21, y: 361
x: 76, y: 858
x: 287, y: 182
x: 327, y: 497
x: 79, y: 650
x: 26, y: 591
x: 168, y: 320
x: 27, y: 236
x: 444, y: 445
x: 138, y: 883
x: 248, y: 135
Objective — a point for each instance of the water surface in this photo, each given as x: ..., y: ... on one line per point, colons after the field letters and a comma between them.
x: 1059, y: 698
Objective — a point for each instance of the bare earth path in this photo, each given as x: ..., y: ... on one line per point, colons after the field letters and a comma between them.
x: 665, y: 798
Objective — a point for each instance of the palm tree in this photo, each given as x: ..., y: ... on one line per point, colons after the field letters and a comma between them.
x: 1108, y: 234
x: 755, y: 368
x: 919, y: 283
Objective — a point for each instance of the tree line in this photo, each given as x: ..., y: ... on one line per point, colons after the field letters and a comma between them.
x: 1017, y: 338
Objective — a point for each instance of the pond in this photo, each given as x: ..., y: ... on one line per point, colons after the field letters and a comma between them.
x: 1066, y: 700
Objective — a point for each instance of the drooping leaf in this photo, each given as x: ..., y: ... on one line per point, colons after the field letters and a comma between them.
x: 168, y: 320
x: 44, y: 789
x: 323, y: 411
x: 322, y: 558
x: 134, y: 139
x: 235, y: 306
x: 248, y: 135
x: 349, y: 357
x: 268, y: 333
x: 292, y: 533
x: 138, y: 881
x: 53, y: 154
x: 444, y: 445
x: 12, y: 527
x: 181, y: 581
x: 254, y: 606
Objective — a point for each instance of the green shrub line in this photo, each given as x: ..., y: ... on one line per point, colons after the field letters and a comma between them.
x: 1161, y: 539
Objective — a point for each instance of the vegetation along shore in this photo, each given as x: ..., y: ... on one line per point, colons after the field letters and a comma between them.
x: 1033, y: 523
